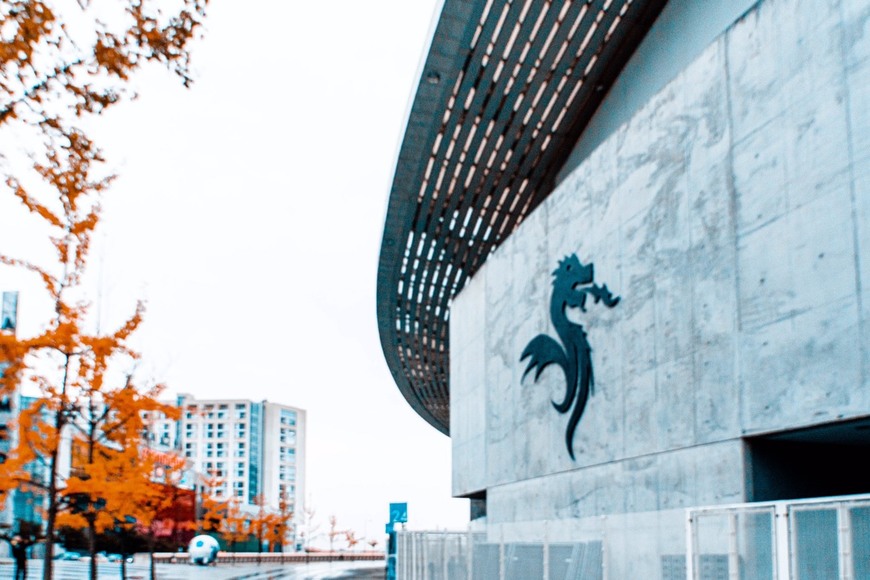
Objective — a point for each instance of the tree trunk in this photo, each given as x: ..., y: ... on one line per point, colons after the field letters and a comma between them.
x: 48, y: 559
x: 91, y: 516
x: 123, y: 566
x: 152, y: 568
x: 92, y: 544
x: 59, y: 423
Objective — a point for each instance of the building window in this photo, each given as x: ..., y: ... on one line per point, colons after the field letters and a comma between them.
x: 254, y: 467
x: 288, y: 417
x: 288, y: 436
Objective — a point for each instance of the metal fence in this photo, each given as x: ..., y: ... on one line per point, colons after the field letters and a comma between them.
x: 818, y: 539
x: 446, y: 556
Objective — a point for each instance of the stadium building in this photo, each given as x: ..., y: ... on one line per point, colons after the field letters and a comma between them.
x: 626, y: 267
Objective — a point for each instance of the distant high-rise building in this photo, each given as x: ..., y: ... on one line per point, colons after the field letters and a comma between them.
x: 255, y: 449
x: 23, y: 506
x: 8, y: 400
x: 9, y: 311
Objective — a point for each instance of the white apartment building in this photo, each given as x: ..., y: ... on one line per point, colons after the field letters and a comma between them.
x: 283, y: 455
x: 162, y: 431
x: 253, y: 448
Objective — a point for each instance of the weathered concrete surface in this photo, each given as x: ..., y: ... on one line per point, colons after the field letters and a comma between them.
x: 732, y: 214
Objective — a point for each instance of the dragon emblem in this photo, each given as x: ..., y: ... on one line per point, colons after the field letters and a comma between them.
x: 572, y: 282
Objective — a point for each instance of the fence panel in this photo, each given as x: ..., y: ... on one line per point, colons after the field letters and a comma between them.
x: 575, y: 561
x: 485, y: 561
x: 524, y: 561
x: 734, y: 544
x: 815, y: 553
x: 860, y: 520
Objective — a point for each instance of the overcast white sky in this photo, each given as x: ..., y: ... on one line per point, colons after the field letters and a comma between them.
x: 248, y: 214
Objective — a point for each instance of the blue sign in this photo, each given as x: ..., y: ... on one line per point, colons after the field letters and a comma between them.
x: 398, y: 513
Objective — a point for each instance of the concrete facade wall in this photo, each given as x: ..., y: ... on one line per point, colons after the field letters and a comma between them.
x: 732, y: 216
x: 680, y: 33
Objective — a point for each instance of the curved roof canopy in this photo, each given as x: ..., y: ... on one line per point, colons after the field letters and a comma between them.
x: 505, y: 92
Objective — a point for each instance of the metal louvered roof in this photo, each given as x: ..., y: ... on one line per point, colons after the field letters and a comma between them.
x: 505, y: 92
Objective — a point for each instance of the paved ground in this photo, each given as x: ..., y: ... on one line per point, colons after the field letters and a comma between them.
x: 363, y: 574
x: 315, y: 571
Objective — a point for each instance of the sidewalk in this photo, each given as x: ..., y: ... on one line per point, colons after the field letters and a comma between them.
x: 140, y: 571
